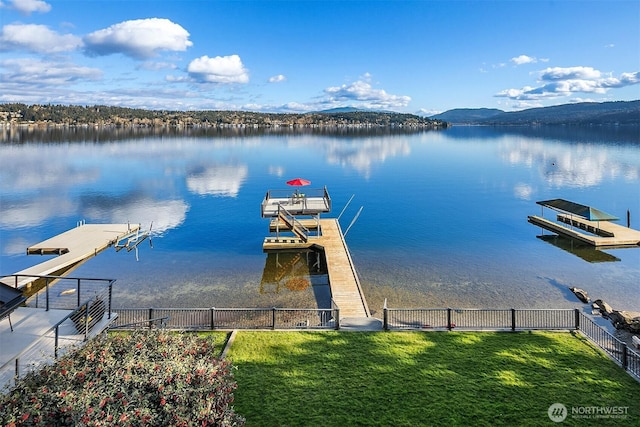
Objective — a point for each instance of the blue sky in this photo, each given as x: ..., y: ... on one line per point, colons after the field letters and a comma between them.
x: 421, y: 57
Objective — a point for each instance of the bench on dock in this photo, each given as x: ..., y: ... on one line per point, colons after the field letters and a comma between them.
x: 584, y: 226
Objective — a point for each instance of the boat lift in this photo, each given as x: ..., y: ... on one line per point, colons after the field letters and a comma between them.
x: 132, y: 240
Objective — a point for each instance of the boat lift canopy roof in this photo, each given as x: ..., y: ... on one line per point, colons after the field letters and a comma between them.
x: 586, y: 212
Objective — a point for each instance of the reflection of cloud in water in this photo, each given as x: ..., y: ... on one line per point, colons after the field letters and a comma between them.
x: 34, y: 211
x: 523, y: 191
x: 37, y: 167
x: 217, y: 180
x: 362, y: 153
x: 276, y: 170
x: 359, y: 153
x: 165, y: 214
x: 15, y: 246
x: 568, y: 165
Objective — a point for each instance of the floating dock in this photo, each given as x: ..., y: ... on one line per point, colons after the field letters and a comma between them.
x: 598, y: 229
x: 72, y: 247
x: 602, y: 233
x: 346, y: 291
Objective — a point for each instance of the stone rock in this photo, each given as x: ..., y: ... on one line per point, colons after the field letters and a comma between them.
x: 605, y: 309
x: 581, y: 294
x: 629, y: 320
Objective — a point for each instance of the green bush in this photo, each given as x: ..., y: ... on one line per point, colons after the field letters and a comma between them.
x: 143, y: 378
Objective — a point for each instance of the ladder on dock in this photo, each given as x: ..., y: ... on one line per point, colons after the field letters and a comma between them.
x: 293, y: 224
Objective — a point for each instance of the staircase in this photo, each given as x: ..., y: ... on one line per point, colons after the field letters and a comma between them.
x: 293, y: 224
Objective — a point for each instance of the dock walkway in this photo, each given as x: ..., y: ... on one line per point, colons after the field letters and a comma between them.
x: 343, y: 279
x: 72, y: 247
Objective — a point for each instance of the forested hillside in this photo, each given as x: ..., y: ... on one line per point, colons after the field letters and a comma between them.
x: 118, y: 116
x: 585, y: 113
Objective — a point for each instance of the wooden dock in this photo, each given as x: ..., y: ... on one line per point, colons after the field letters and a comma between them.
x: 72, y: 247
x: 346, y: 291
x: 596, y: 233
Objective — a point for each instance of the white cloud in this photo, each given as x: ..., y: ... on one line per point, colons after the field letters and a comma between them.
x: 277, y: 79
x: 559, y: 73
x: 427, y: 112
x: 523, y: 59
x: 140, y: 38
x: 27, y: 6
x: 561, y: 82
x: 28, y: 70
x: 221, y: 69
x: 36, y: 38
x: 362, y: 92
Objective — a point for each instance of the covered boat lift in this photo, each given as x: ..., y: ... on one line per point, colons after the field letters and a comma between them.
x: 602, y: 231
x: 582, y: 211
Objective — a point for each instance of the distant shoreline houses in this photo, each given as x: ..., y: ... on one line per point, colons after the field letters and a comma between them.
x: 20, y: 115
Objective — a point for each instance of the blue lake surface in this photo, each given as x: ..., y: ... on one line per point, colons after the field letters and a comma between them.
x: 443, y: 221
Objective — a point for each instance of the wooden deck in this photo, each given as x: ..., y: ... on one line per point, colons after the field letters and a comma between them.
x: 343, y: 279
x: 72, y: 247
x: 601, y: 233
x: 310, y: 202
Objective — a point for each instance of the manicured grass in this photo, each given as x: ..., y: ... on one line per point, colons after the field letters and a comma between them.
x: 423, y: 378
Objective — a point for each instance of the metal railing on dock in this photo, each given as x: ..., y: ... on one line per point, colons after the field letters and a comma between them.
x: 87, y: 304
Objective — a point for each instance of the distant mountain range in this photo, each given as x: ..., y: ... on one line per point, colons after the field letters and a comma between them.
x: 584, y: 113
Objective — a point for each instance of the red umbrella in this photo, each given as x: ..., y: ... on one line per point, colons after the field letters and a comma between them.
x: 298, y: 182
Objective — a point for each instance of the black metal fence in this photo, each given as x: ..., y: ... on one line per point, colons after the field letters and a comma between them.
x: 394, y: 319
x: 226, y: 318
x: 513, y: 320
x: 479, y: 319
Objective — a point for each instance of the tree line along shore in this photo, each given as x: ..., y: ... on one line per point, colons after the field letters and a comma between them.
x: 63, y: 115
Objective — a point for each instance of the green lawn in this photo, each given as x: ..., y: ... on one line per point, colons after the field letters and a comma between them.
x: 335, y: 378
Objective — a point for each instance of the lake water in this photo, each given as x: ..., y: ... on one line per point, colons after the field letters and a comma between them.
x: 443, y: 221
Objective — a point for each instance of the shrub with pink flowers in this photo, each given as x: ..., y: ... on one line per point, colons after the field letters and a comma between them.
x: 154, y: 378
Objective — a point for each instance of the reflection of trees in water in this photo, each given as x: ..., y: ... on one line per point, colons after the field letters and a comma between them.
x: 119, y: 133
x: 564, y: 134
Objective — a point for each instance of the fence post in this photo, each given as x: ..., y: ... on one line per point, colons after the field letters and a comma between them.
x: 46, y: 284
x: 449, y: 319
x: 110, y: 298
x: 213, y: 318
x: 337, y: 319
x: 86, y: 321
x: 624, y: 361
x: 577, y: 323
x: 55, y: 344
x: 78, y: 299
x: 385, y: 317
x: 150, y: 318
x: 513, y: 320
x: 273, y: 318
